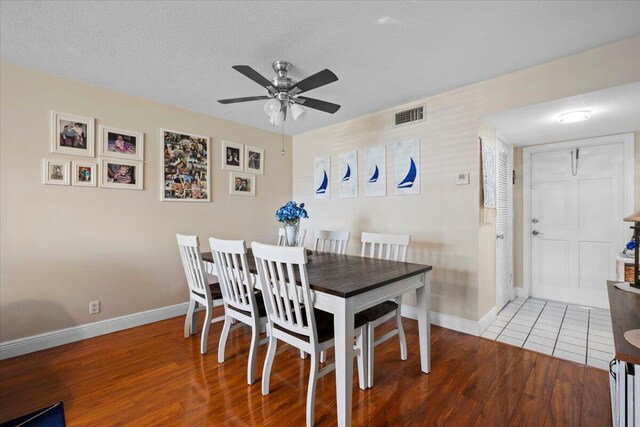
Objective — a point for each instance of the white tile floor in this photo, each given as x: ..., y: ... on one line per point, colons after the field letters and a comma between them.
x: 579, y: 334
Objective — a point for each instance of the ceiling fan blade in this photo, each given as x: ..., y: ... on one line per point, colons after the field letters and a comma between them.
x: 317, y: 104
x: 248, y: 98
x: 255, y: 76
x: 320, y: 78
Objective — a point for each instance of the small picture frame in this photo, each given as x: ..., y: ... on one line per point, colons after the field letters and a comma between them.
x: 232, y: 156
x: 84, y: 174
x: 242, y: 184
x: 254, y: 160
x: 55, y: 172
x: 72, y: 135
x: 121, y: 143
x: 122, y: 174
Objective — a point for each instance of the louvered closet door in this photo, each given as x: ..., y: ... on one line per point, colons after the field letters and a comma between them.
x: 504, y: 246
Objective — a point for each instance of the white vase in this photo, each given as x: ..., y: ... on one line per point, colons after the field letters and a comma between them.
x: 291, y: 231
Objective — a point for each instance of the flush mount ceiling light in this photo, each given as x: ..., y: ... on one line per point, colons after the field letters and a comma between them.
x: 284, y: 92
x: 574, y: 116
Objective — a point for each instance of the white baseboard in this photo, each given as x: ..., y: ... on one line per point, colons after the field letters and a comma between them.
x: 33, y: 343
x: 520, y: 293
x: 46, y: 340
x: 487, y: 320
x: 459, y: 324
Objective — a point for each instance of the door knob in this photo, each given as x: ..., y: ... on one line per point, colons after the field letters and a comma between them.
x: 534, y: 220
x: 536, y: 233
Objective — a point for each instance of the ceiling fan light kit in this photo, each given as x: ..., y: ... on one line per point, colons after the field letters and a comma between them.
x: 284, y: 92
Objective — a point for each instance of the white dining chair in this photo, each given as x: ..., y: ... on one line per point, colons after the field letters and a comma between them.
x: 302, y: 235
x: 392, y: 247
x: 240, y: 300
x: 288, y: 299
x: 282, y: 242
x: 201, y: 292
x: 331, y: 241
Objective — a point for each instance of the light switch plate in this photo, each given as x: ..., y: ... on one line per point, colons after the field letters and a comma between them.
x: 462, y: 179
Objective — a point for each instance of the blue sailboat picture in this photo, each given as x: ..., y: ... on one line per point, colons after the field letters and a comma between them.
x: 347, y: 174
x: 408, y: 180
x: 323, y: 185
x: 376, y: 174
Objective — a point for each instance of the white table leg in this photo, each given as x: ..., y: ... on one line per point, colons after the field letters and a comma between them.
x: 343, y: 327
x: 423, y: 296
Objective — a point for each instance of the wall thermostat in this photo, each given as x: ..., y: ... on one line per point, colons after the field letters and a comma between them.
x: 462, y: 179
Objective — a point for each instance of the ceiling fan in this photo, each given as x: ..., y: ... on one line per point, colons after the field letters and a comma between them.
x: 284, y: 92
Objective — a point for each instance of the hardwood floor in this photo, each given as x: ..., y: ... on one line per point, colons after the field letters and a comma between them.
x: 151, y: 376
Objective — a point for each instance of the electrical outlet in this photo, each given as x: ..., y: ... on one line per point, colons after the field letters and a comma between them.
x: 94, y: 307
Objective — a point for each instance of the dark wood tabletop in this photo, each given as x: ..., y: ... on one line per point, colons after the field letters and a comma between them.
x: 347, y: 275
x: 625, y: 315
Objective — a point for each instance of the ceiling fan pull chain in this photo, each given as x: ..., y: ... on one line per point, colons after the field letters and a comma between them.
x: 283, y: 138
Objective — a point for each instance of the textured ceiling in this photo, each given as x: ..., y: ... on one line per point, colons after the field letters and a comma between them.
x: 384, y: 53
x: 613, y: 110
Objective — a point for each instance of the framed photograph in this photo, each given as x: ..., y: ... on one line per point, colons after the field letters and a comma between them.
x: 232, y: 156
x: 186, y: 170
x: 123, y: 174
x: 121, y: 144
x: 84, y: 174
x: 254, y: 160
x: 242, y: 184
x: 71, y: 134
x: 55, y: 172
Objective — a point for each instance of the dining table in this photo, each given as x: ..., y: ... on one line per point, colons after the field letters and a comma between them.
x: 345, y: 285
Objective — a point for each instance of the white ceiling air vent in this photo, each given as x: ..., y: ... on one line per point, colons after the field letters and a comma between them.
x: 406, y: 117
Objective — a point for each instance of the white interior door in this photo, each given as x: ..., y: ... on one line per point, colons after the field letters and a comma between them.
x: 504, y: 208
x: 576, y: 223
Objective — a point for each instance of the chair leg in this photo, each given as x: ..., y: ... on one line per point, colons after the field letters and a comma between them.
x: 253, y: 350
x: 205, y: 329
x: 401, y: 337
x: 311, y: 391
x: 361, y: 343
x: 188, y: 320
x: 371, y: 343
x: 323, y: 356
x: 194, y: 318
x: 268, y: 363
x: 223, y: 338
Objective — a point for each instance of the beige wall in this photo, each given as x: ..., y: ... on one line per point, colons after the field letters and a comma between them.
x: 62, y: 247
x: 445, y: 220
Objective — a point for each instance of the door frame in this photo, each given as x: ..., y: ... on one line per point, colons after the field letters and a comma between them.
x: 500, y: 139
x: 628, y: 191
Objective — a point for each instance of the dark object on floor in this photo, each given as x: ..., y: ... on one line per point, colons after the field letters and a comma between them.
x: 52, y: 416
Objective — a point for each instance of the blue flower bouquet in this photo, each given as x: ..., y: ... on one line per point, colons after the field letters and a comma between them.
x: 290, y: 215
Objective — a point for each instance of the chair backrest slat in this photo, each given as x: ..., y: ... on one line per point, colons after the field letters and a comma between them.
x: 189, y: 248
x: 285, y: 288
x: 392, y: 247
x: 236, y: 282
x: 331, y: 241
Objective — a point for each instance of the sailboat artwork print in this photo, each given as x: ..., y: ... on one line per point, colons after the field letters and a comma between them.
x: 375, y: 170
x: 406, y: 162
x: 348, y: 170
x: 322, y: 177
